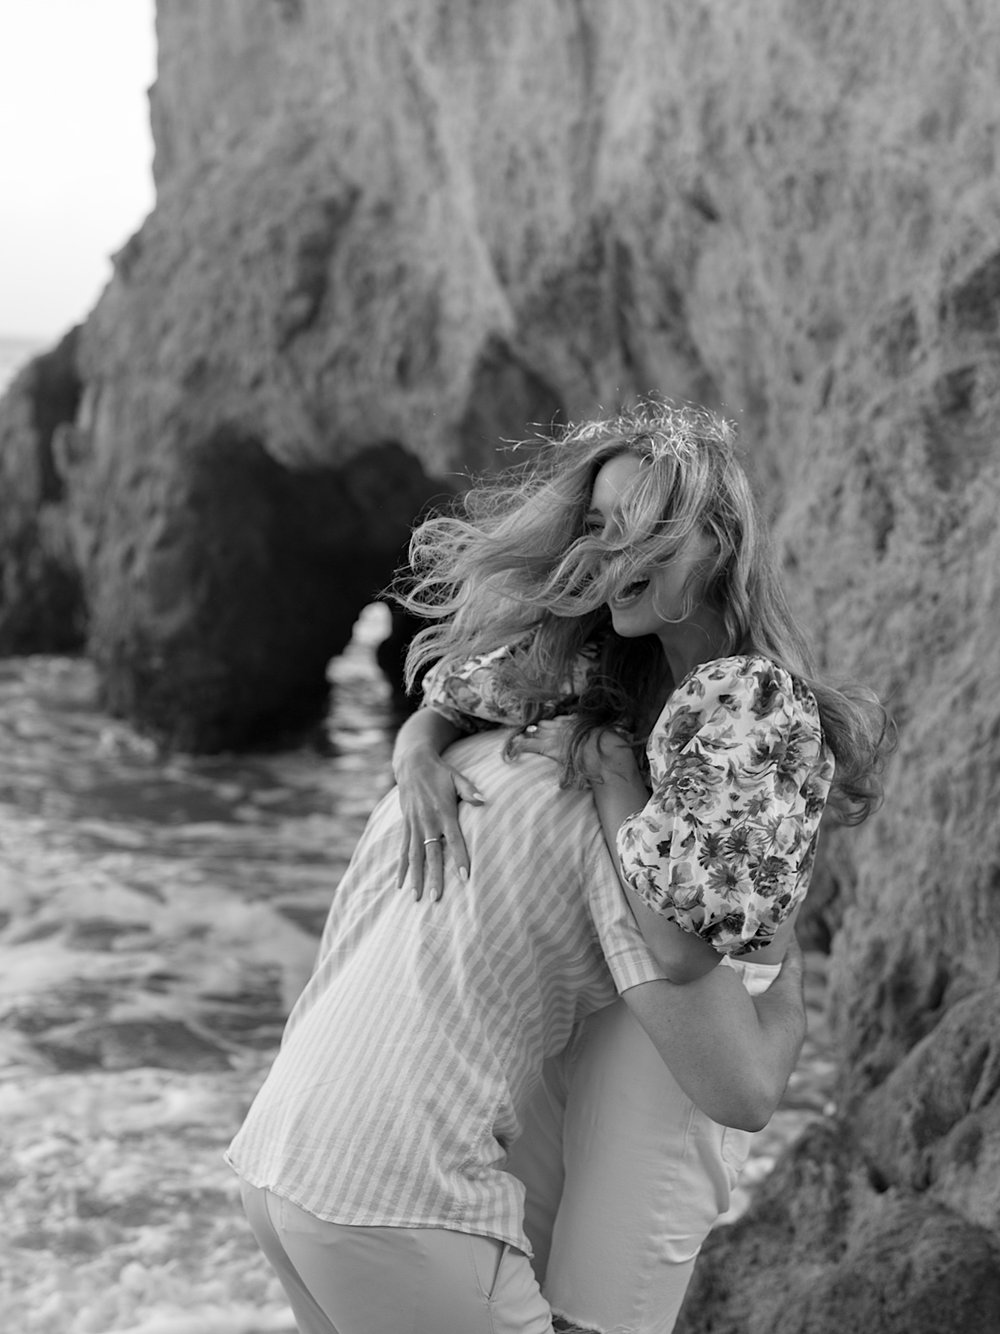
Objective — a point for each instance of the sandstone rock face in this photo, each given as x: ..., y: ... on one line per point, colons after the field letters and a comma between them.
x: 823, y: 1250
x: 389, y: 236
x: 41, y: 598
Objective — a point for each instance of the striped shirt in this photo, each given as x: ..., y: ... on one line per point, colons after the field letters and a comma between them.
x: 407, y: 1061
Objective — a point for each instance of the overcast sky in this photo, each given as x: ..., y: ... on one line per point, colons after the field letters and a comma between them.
x: 75, y: 153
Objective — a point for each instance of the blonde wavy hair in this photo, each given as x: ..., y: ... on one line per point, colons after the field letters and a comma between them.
x: 514, y: 563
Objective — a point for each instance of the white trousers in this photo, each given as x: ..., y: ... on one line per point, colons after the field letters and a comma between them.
x: 624, y: 1176
x: 394, y: 1280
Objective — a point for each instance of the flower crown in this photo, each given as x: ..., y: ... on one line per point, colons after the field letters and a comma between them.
x: 679, y: 434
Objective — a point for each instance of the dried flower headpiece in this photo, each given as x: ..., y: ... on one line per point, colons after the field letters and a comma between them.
x: 680, y: 433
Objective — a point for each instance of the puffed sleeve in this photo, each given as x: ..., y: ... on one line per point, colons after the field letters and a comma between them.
x: 477, y: 693
x: 741, y: 772
x: 473, y: 693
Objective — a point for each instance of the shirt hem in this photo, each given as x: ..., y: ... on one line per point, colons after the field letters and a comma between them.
x: 365, y: 1218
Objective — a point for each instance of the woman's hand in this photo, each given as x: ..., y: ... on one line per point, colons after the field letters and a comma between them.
x: 429, y: 792
x: 549, y: 738
x: 605, y: 751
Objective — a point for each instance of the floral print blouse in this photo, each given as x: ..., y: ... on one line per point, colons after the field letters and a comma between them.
x: 475, y: 693
x: 740, y: 774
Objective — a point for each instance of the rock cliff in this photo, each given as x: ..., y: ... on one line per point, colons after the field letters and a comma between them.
x: 389, y: 237
x: 41, y: 596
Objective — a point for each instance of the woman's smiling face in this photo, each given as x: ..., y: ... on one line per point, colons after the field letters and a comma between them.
x: 650, y: 602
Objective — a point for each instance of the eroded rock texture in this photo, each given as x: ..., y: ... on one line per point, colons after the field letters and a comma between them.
x: 823, y: 1250
x: 389, y: 236
x: 41, y: 598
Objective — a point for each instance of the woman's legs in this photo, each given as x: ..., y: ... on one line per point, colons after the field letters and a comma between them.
x: 618, y: 1217
x: 373, y: 1280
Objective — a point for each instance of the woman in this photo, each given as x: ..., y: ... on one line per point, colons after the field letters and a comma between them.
x: 624, y: 1174
x: 373, y: 1159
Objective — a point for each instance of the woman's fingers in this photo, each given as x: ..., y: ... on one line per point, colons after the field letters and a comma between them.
x: 402, y: 866
x: 452, y: 845
x: 427, y: 862
x: 421, y: 860
x: 433, y: 869
x: 544, y: 738
x: 454, y: 842
x: 431, y: 830
x: 415, y: 863
x: 466, y: 789
x: 410, y: 852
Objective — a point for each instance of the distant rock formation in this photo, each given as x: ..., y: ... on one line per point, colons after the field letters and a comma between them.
x: 41, y: 595
x: 388, y: 237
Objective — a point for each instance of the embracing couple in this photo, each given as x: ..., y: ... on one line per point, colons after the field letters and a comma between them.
x: 520, y: 1103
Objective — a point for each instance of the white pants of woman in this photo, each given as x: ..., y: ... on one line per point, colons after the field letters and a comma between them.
x: 625, y: 1177
x: 394, y: 1280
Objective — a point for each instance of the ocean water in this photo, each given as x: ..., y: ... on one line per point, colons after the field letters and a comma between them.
x: 14, y: 353
x: 158, y: 915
